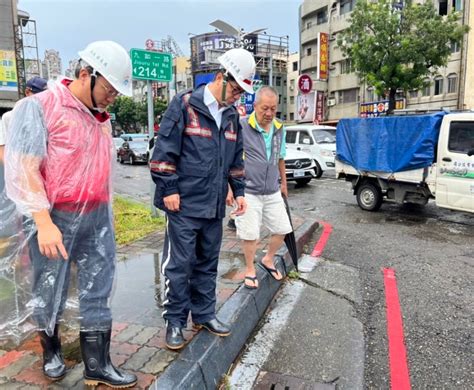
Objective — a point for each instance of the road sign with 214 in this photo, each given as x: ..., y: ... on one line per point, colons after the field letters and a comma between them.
x: 151, y: 65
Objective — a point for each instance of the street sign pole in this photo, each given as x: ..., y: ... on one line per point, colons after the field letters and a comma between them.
x: 151, y: 134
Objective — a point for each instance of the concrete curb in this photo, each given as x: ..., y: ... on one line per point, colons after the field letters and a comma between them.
x: 204, y: 361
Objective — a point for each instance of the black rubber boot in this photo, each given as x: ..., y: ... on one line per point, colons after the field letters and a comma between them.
x: 53, y: 362
x: 98, y: 368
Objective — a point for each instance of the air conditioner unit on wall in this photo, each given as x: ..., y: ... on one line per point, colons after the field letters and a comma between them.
x: 331, y: 102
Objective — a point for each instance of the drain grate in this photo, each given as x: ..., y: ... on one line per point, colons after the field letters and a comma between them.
x: 275, y: 381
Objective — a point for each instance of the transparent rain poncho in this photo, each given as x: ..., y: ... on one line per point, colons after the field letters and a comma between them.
x: 58, y: 157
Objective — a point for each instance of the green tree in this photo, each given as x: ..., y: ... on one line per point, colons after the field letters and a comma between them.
x: 132, y: 115
x: 125, y: 110
x: 159, y: 107
x: 397, y: 44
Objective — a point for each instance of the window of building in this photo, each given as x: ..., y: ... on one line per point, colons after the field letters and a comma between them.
x: 292, y: 118
x: 443, y: 7
x: 264, y: 80
x: 370, y: 94
x: 452, y: 83
x: 284, y: 83
x: 454, y: 47
x: 413, y: 94
x: 348, y: 96
x: 295, y: 66
x: 457, y: 5
x: 292, y: 84
x: 292, y: 100
x: 346, y: 66
x: 346, y: 6
x: 426, y: 91
x: 308, y: 25
x: 322, y: 16
x: 278, y: 82
x: 438, y: 86
x: 279, y: 99
x: 284, y: 100
x: 308, y: 51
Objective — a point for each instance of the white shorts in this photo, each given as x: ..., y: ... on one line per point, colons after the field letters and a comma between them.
x: 268, y: 210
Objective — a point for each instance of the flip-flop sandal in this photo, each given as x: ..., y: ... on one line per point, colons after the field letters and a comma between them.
x: 254, y: 280
x: 272, y: 271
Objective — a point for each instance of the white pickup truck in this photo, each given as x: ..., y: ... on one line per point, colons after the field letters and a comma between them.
x: 409, y: 159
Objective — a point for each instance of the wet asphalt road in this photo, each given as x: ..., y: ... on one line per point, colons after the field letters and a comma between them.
x: 133, y: 181
x: 431, y: 251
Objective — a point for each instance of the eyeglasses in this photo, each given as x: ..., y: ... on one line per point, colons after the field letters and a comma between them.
x: 236, y: 89
x: 110, y: 91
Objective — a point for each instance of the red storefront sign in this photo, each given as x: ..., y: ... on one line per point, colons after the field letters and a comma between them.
x: 305, y: 84
x: 323, y: 56
x: 319, y: 108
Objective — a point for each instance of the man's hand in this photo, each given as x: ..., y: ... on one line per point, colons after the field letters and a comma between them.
x: 172, y: 202
x: 241, y: 206
x: 229, y: 200
x: 50, y: 241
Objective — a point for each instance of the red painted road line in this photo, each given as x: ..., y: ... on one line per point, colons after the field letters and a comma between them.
x: 399, y: 375
x: 319, y: 247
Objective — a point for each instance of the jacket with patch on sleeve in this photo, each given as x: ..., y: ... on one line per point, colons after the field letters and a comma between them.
x: 195, y: 159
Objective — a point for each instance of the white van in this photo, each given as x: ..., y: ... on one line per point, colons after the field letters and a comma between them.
x: 316, y: 140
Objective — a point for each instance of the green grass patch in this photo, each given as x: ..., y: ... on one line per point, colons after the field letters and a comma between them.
x: 294, y: 274
x: 133, y: 221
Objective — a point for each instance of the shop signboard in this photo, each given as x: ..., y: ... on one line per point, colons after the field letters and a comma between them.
x: 323, y: 56
x: 305, y: 107
x: 211, y: 41
x: 8, y: 75
x: 374, y: 109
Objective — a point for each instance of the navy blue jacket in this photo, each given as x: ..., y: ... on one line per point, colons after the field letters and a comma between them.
x: 195, y: 159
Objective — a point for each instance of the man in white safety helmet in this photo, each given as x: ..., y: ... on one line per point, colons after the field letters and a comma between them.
x: 58, y: 173
x: 198, y: 154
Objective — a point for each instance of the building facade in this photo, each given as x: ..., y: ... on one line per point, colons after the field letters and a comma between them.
x: 271, y: 57
x: 71, y: 69
x: 8, y: 70
x: 345, y: 95
x: 52, y: 65
x: 292, y: 87
x: 467, y: 76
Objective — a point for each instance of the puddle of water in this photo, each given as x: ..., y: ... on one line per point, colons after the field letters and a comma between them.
x: 138, y: 294
x: 231, y: 268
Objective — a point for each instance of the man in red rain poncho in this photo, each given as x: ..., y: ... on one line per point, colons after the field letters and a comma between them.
x: 58, y: 173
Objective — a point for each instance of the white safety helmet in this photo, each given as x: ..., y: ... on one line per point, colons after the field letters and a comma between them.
x: 241, y: 65
x: 112, y: 61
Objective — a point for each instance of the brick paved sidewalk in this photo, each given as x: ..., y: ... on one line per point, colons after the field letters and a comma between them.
x: 138, y: 336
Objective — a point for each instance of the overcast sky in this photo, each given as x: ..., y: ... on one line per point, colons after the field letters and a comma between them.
x: 69, y: 25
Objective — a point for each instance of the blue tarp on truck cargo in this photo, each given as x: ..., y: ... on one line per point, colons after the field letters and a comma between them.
x: 388, y: 144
